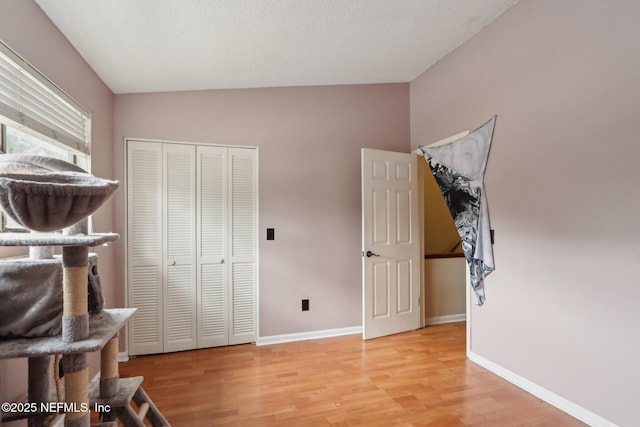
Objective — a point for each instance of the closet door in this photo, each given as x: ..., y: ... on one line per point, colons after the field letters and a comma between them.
x: 227, y: 206
x: 144, y: 247
x: 179, y: 255
x: 212, y: 243
x: 192, y: 246
x: 242, y: 214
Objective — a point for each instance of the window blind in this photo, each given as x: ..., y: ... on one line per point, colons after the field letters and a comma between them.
x: 28, y: 98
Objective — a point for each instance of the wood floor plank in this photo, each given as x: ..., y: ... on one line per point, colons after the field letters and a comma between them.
x: 419, y: 378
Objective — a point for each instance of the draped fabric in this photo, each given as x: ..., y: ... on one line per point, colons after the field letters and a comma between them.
x: 458, y: 168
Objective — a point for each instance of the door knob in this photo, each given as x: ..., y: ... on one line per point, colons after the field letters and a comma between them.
x: 369, y: 254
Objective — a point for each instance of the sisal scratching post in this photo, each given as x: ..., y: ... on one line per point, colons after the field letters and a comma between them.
x: 76, y: 384
x: 75, y: 327
x: 75, y: 316
x: 109, y: 376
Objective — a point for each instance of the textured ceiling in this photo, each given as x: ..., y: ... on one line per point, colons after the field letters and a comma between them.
x: 173, y: 45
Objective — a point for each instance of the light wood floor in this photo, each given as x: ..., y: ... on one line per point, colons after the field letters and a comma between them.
x: 419, y: 378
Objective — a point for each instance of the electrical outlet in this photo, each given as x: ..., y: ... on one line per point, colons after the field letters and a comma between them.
x: 305, y: 305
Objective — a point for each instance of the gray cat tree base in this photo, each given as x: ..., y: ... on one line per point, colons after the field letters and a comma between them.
x: 83, y: 334
x: 46, y: 195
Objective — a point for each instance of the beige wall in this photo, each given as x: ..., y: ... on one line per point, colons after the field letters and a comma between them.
x: 25, y: 28
x: 561, y: 308
x: 309, y: 141
x: 444, y: 289
x: 563, y: 79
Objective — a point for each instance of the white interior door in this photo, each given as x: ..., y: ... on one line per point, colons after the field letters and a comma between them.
x: 390, y: 243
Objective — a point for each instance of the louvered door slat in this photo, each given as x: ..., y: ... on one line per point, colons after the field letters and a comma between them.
x: 243, y: 297
x: 179, y: 313
x: 242, y: 202
x: 180, y: 189
x: 213, y: 325
x: 212, y: 181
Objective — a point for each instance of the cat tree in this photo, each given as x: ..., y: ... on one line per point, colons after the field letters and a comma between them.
x: 46, y: 195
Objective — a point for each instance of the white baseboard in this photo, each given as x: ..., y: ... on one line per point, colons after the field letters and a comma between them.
x: 313, y: 335
x: 123, y: 356
x: 460, y: 317
x: 559, y: 402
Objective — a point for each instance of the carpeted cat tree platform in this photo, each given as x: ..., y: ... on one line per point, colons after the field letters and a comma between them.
x: 53, y: 305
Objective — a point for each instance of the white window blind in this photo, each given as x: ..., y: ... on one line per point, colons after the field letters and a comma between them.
x: 30, y: 99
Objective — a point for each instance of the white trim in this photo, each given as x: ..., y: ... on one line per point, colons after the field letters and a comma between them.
x: 257, y: 238
x: 450, y: 139
x: 442, y: 141
x: 450, y: 318
x: 125, y: 212
x: 423, y: 268
x: 123, y: 356
x: 312, y: 335
x: 468, y: 290
x: 180, y: 142
x: 559, y: 402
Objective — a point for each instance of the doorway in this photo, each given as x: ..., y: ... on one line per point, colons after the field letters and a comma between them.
x: 444, y: 264
x: 435, y: 288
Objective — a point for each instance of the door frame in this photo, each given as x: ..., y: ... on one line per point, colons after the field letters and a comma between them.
x: 124, y: 356
x: 422, y: 169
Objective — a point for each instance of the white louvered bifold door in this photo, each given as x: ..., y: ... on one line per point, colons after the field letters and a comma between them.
x: 144, y: 246
x: 180, y: 330
x: 192, y: 246
x: 212, y: 246
x: 242, y: 208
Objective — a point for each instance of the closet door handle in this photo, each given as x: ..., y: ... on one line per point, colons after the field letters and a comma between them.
x: 172, y: 262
